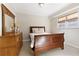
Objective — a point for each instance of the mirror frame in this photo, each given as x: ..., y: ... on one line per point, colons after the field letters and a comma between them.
x: 5, y: 10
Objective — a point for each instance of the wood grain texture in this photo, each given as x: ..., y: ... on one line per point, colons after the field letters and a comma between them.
x: 10, y: 44
x: 49, y: 42
x: 6, y: 11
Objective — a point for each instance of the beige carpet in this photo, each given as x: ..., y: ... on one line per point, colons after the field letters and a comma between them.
x: 68, y: 51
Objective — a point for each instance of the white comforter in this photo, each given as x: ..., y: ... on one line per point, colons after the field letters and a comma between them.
x: 32, y: 37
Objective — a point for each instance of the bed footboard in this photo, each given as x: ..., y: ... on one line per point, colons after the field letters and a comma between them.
x: 47, y: 42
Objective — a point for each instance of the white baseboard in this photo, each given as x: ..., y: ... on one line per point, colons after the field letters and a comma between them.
x: 72, y: 44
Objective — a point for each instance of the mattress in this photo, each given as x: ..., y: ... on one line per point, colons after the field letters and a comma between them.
x: 32, y: 38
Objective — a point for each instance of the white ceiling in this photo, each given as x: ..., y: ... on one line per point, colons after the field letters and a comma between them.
x: 35, y: 9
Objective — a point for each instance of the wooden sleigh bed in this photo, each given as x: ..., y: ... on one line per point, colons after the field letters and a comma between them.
x: 45, y: 42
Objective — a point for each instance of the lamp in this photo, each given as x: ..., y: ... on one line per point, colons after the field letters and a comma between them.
x: 41, y: 4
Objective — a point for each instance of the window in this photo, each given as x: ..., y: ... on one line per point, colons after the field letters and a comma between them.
x: 62, y: 19
x: 68, y: 17
x: 72, y: 16
x: 69, y: 21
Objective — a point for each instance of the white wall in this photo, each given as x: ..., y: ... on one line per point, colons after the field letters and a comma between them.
x: 53, y: 26
x: 25, y: 21
x: 71, y: 35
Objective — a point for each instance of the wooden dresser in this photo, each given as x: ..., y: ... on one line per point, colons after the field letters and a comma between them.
x: 10, y: 44
x: 47, y: 42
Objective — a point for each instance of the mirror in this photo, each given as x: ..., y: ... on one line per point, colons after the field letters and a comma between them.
x: 8, y: 20
x: 0, y: 24
x: 8, y: 23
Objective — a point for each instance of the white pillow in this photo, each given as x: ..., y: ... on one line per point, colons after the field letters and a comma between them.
x: 41, y: 30
x: 38, y: 30
x: 35, y: 30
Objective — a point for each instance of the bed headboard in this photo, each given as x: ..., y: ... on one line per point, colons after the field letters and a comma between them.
x: 37, y: 28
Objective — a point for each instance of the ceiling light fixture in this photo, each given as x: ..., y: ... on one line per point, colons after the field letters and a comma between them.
x: 41, y: 4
